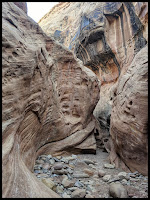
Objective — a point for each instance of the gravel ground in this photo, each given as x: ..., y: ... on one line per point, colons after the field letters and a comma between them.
x: 92, y: 185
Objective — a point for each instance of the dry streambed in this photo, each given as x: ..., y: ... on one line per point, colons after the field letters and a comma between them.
x: 89, y: 176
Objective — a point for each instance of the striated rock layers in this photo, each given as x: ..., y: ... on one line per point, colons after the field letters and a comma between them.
x: 48, y: 98
x: 106, y: 36
x: 129, y: 117
x: 22, y: 5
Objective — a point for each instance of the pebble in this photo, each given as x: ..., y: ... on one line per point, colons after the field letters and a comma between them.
x: 78, y: 184
x: 78, y: 193
x: 134, y: 179
x: 49, y: 156
x: 64, y: 160
x: 81, y: 175
x: 58, y: 166
x: 90, y: 188
x: 101, y: 173
x: 122, y: 175
x: 124, y: 182
x: 65, y: 195
x: 106, y: 178
x: 117, y: 190
x: 71, y: 166
x: 67, y: 183
x: 38, y: 166
x: 89, y: 196
x: 46, y: 166
x: 88, y: 161
x: 88, y: 171
x: 114, y: 179
x: 49, y: 183
x: 109, y: 166
x: 39, y: 161
x: 68, y: 192
x: 69, y: 176
x: 95, y: 177
x: 59, y: 172
x: 38, y: 171
x: 72, y: 188
x: 52, y: 161
x: 42, y: 176
x: 59, y: 189
x: 58, y: 157
x: 92, y: 166
x: 70, y: 158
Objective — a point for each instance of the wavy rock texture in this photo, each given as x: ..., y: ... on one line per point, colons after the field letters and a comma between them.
x: 129, y: 118
x: 22, y: 5
x: 48, y: 98
x: 106, y: 36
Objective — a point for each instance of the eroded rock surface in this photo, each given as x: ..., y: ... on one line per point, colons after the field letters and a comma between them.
x: 129, y: 118
x: 106, y: 36
x: 22, y: 5
x: 48, y: 98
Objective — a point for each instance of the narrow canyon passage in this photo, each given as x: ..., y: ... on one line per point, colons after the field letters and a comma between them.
x: 74, y: 101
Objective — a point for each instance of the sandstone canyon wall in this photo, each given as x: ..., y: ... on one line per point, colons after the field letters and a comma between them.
x: 129, y: 117
x: 48, y: 98
x: 107, y: 36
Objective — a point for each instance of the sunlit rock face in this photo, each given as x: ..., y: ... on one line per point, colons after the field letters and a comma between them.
x: 106, y: 36
x: 48, y: 98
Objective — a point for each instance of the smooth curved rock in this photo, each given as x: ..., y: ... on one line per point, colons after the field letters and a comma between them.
x: 105, y: 36
x: 129, y: 118
x: 47, y: 97
x: 117, y: 190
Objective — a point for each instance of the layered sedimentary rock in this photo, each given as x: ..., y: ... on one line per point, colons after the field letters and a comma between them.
x: 48, y: 98
x: 22, y: 5
x: 106, y: 36
x: 129, y: 117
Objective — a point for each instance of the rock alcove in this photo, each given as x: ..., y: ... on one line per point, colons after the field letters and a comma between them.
x: 53, y: 106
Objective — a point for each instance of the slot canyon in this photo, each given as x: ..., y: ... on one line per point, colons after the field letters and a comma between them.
x: 75, y: 101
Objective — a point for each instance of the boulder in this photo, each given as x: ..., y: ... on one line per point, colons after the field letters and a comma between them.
x: 78, y: 193
x: 117, y: 190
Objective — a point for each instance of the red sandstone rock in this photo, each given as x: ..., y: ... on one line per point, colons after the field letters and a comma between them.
x: 48, y: 102
x: 129, y: 117
x: 106, y: 36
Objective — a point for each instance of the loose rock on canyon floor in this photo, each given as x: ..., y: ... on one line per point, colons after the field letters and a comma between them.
x: 89, y: 176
